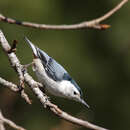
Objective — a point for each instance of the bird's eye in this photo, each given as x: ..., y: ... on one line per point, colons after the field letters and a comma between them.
x: 75, y: 93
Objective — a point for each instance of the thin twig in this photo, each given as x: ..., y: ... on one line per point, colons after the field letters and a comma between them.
x: 15, y: 88
x: 2, y: 127
x: 40, y: 95
x: 94, y: 24
x: 8, y: 84
x: 9, y: 122
x: 111, y: 12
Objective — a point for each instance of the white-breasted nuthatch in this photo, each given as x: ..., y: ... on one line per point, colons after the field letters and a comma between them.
x: 54, y: 77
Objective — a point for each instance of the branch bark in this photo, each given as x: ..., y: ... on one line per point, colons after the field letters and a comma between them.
x: 9, y: 85
x: 9, y: 122
x: 40, y: 95
x: 15, y: 88
x: 94, y: 24
x: 2, y: 125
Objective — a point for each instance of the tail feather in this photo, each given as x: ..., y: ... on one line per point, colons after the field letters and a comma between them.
x: 32, y: 46
x: 38, y: 53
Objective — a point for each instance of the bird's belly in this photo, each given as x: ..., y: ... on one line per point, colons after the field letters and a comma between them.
x: 51, y: 86
x: 54, y: 91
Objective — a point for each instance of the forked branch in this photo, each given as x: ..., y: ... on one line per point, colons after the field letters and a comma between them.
x: 15, y: 88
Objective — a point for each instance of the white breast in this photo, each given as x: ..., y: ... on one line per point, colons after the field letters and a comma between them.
x: 53, y: 87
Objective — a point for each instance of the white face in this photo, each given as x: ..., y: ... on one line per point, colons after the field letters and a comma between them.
x: 69, y: 90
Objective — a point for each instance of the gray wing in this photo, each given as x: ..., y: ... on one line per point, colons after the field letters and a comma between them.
x: 53, y: 69
x: 58, y: 73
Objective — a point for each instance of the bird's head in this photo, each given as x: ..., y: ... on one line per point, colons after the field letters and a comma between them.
x: 72, y: 90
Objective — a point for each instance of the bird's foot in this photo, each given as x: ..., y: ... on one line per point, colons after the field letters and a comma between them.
x: 27, y: 65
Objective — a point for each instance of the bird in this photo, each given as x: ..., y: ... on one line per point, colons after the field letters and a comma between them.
x: 55, y: 79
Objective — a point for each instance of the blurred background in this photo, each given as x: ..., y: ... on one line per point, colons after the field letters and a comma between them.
x: 98, y: 60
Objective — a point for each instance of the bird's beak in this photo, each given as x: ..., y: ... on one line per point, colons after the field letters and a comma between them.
x: 83, y: 102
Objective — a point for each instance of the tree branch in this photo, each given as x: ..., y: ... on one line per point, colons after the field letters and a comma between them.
x: 40, y: 95
x: 15, y: 88
x: 8, y: 84
x: 2, y: 125
x: 9, y: 122
x: 94, y: 24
